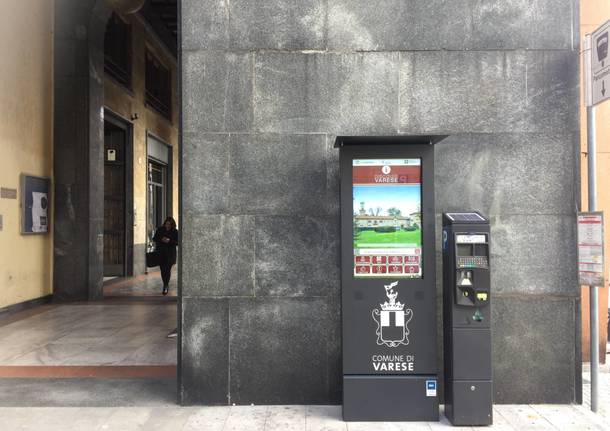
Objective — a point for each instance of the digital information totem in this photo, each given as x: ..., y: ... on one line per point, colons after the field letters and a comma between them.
x: 388, y: 279
x: 467, y: 319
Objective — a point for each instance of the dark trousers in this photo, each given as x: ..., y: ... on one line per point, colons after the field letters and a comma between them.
x: 166, y: 273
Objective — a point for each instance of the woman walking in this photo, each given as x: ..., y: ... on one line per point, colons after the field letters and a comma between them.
x: 166, y: 240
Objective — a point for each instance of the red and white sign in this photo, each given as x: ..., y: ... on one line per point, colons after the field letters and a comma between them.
x: 591, y: 248
x: 379, y: 173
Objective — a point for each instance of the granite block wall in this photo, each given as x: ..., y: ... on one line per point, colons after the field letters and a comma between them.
x: 266, y: 88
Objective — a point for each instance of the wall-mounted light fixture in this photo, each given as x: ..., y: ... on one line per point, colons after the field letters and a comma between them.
x: 134, y: 116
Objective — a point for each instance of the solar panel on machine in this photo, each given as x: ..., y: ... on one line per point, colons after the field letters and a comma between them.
x: 465, y: 217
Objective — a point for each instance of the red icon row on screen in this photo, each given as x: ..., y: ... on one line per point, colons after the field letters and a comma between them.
x: 389, y: 269
x: 392, y: 260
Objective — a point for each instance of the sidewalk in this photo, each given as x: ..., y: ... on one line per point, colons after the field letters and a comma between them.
x: 93, y: 404
x: 278, y: 418
x: 144, y: 285
x: 604, y: 387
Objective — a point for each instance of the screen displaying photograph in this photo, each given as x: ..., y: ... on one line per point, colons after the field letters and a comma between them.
x: 387, y: 218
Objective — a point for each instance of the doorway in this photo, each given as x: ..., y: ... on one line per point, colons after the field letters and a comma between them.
x: 117, y: 197
x: 159, y: 186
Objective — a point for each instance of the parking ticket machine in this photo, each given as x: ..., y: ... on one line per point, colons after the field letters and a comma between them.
x: 388, y: 279
x: 466, y: 317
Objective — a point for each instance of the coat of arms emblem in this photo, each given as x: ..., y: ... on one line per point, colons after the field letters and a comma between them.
x: 392, y: 319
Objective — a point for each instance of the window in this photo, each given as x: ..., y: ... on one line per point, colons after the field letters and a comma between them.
x: 158, y: 86
x: 117, y: 50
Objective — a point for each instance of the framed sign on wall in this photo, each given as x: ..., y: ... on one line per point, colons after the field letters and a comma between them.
x: 35, y: 205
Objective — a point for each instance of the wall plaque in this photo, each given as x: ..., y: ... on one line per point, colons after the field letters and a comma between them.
x: 6, y: 193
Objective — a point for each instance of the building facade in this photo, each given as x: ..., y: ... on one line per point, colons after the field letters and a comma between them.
x: 266, y: 88
x: 113, y: 130
x: 260, y: 92
x: 90, y: 103
x: 153, y: 126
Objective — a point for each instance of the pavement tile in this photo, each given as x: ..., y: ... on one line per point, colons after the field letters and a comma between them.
x: 324, y: 418
x: 252, y: 418
x: 207, y: 418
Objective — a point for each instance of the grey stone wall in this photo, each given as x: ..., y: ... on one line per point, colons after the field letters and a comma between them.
x: 266, y: 87
x: 78, y: 148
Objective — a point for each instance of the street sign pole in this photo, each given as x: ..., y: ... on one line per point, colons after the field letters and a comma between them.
x: 592, y: 191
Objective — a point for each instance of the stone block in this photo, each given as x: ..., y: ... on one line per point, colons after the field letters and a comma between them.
x: 534, y: 254
x: 205, y: 183
x: 278, y: 24
x: 279, y: 351
x: 552, y: 91
x: 217, y: 255
x: 333, y: 175
x: 399, y: 25
x: 205, y: 24
x: 297, y: 256
x: 335, y: 93
x: 204, y: 371
x: 450, y: 92
x: 409, y: 25
x: 279, y: 174
x: 217, y: 89
x: 533, y: 350
x: 513, y: 173
x: 513, y: 24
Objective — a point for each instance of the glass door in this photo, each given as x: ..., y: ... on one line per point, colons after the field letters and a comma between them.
x: 157, y: 189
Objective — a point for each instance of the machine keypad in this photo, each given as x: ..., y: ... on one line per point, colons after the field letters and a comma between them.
x: 472, y: 262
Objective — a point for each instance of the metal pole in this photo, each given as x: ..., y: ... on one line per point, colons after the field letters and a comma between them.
x: 593, y: 300
x: 592, y: 191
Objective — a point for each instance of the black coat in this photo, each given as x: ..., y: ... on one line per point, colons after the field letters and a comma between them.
x: 166, y: 250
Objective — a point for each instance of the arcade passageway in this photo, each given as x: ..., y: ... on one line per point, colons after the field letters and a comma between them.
x: 72, y: 340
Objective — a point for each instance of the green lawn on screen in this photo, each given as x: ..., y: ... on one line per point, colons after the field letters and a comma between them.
x: 370, y: 238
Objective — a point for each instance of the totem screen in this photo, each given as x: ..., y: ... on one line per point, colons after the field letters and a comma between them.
x: 387, y: 218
